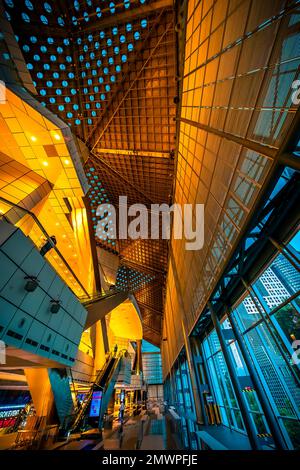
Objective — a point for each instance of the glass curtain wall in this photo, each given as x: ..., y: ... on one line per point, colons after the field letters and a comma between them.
x: 268, y: 319
x: 178, y: 394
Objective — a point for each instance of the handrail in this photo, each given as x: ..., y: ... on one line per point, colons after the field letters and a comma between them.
x: 119, y: 357
x: 90, y: 394
x: 96, y: 298
x: 31, y: 214
x: 85, y: 406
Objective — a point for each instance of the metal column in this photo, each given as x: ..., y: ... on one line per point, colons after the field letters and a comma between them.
x: 139, y: 357
x: 195, y: 391
x: 198, y: 380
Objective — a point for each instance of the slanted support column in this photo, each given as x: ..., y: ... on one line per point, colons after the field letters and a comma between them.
x: 100, y: 345
x: 51, y: 393
x: 41, y: 393
x: 273, y: 425
x: 104, y: 335
x: 60, y: 385
x: 235, y: 383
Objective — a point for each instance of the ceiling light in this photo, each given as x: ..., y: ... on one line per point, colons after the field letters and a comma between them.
x: 33, y: 138
x: 57, y: 136
x: 45, y: 163
x: 67, y: 162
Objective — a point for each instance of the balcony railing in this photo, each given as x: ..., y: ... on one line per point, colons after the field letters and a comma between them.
x: 14, y: 213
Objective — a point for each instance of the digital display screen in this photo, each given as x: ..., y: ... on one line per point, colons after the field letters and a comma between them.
x: 96, y: 404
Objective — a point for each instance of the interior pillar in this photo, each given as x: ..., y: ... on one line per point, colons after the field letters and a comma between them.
x: 41, y: 393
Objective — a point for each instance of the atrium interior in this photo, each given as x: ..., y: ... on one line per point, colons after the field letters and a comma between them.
x: 149, y: 225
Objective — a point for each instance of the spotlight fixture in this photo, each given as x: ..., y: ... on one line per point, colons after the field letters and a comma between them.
x: 55, y: 306
x: 31, y: 284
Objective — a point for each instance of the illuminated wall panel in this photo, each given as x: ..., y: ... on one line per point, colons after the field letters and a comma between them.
x: 240, y: 62
x: 39, y: 157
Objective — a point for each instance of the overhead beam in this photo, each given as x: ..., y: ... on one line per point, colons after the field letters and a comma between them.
x: 148, y: 307
x: 151, y: 328
x: 134, y: 153
x: 265, y: 150
x: 141, y: 267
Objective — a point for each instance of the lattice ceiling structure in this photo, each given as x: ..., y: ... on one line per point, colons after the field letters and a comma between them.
x: 108, y: 69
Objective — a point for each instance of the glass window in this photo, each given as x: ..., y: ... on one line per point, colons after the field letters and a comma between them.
x: 280, y: 384
x: 221, y: 384
x: 248, y: 313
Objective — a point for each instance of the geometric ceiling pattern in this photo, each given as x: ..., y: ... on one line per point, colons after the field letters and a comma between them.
x: 108, y: 70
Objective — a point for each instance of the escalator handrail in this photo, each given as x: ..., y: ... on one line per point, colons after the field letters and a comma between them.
x: 85, y: 405
x: 119, y: 357
x: 45, y: 233
x: 110, y: 376
x: 100, y: 375
x: 97, y: 298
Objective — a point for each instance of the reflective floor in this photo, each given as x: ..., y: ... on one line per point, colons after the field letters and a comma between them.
x: 139, y: 432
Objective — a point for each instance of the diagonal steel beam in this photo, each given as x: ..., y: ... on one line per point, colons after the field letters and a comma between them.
x: 119, y: 175
x: 138, y: 55
x: 146, y: 306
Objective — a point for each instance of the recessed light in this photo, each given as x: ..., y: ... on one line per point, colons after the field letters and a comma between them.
x: 57, y: 136
x: 33, y: 138
x: 67, y: 162
x: 45, y: 163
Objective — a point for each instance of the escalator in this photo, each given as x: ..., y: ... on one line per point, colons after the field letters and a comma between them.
x: 91, y: 413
